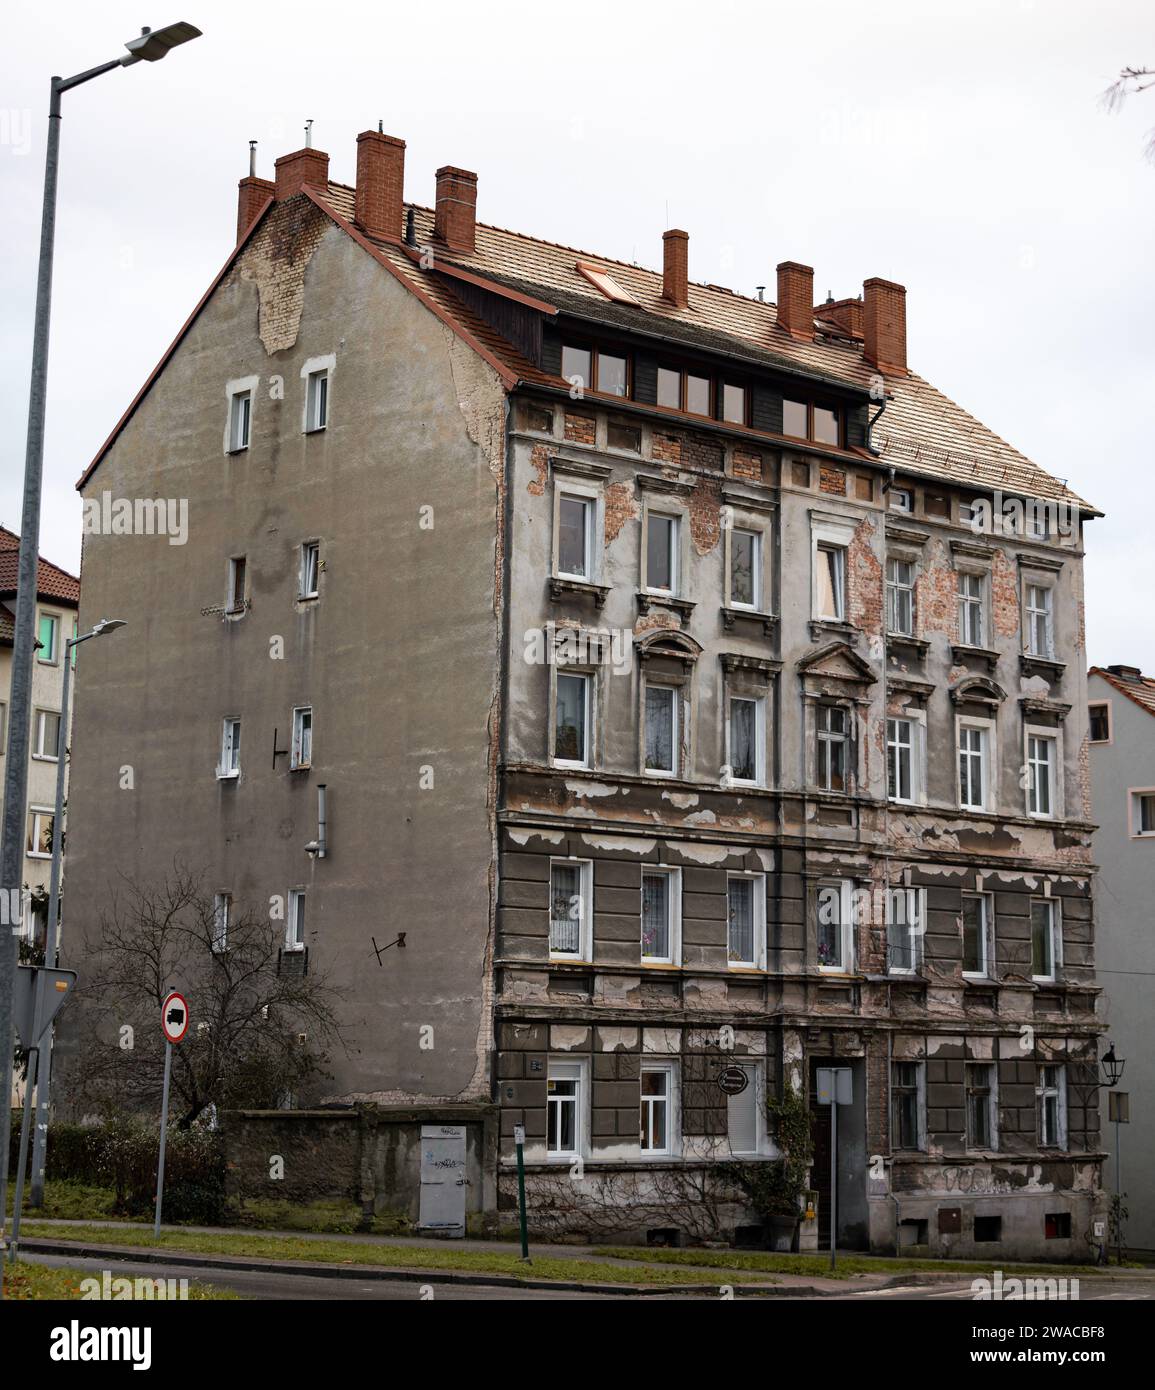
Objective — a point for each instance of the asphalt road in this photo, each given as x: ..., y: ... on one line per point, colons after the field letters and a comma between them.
x: 262, y: 1285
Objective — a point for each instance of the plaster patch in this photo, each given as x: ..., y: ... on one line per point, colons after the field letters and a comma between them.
x: 622, y: 843
x: 591, y: 789
x: 523, y: 837
x: 682, y: 800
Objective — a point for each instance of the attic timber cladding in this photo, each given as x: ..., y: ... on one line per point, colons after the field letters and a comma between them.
x: 784, y: 749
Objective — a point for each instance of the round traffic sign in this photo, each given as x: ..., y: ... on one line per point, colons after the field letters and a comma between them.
x: 174, y: 1017
x: 733, y: 1080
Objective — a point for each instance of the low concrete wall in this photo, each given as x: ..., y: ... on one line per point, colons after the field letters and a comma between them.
x: 369, y: 1155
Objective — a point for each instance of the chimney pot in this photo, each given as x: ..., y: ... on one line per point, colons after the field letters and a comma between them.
x: 796, y: 299
x: 455, y: 216
x: 676, y: 267
x: 380, y: 196
x: 884, y: 325
x: 307, y: 167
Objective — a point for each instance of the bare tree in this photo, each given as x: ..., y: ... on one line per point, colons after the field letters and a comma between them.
x: 258, y: 1032
x: 1130, y: 82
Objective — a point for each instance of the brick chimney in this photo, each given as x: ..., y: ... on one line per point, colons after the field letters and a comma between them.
x: 845, y: 314
x: 252, y: 194
x: 884, y: 325
x: 379, y: 209
x: 294, y: 171
x: 796, y: 299
x: 455, y: 216
x: 676, y: 267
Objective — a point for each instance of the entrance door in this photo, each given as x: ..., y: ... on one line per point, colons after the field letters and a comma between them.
x: 820, y: 1168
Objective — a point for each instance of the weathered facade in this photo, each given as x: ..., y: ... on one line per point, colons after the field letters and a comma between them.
x: 677, y: 689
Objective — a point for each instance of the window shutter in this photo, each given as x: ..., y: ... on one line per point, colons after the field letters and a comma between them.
x: 742, y: 1118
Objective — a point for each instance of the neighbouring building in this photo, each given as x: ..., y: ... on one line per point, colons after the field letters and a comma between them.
x: 691, y: 682
x: 1121, y: 705
x: 57, y: 604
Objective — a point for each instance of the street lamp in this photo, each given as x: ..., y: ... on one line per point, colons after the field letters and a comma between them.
x: 52, y: 936
x: 1112, y: 1067
x: 149, y: 47
x: 1118, y: 1112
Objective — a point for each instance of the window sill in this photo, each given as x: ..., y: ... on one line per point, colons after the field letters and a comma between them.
x: 561, y: 588
x: 837, y: 626
x: 229, y: 776
x: 44, y: 758
x: 647, y: 598
x: 301, y: 767
x: 907, y: 640
x: 230, y: 453
x: 731, y: 615
x: 966, y: 655
x: 308, y: 598
x: 36, y: 854
x: 1032, y: 665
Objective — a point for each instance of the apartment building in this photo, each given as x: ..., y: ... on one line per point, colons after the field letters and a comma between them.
x: 1121, y: 708
x: 696, y: 686
x: 57, y: 603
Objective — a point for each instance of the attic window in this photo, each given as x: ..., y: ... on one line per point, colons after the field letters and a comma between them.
x: 603, y: 281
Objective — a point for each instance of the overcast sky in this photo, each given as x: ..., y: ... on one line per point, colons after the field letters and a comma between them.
x: 959, y: 148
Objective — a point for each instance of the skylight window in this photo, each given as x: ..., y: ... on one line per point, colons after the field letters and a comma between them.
x: 603, y: 281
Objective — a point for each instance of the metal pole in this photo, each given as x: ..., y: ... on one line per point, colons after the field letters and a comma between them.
x: 22, y: 1160
x: 163, y: 1133
x: 521, y: 1202
x: 1118, y: 1198
x: 20, y: 691
x: 52, y: 944
x: 833, y: 1179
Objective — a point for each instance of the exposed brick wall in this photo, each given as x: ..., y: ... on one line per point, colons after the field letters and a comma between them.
x: 252, y: 194
x: 936, y: 594
x: 380, y: 184
x: 865, y: 578
x: 1005, y: 595
x: 705, y: 514
x: 539, y: 461
x: 693, y: 450
x: 747, y: 465
x: 621, y: 506
x: 832, y: 480
x: 275, y: 260
x: 580, y: 429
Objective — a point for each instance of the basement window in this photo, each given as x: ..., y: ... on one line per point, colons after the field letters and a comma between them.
x: 913, y: 1232
x: 988, y: 1229
x: 1057, y: 1225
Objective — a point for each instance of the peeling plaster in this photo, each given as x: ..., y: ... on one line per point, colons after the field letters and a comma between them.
x: 580, y: 789
x: 523, y: 837
x: 624, y: 843
x: 682, y: 800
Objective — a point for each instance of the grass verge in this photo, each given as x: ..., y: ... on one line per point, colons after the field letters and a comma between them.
x: 40, y: 1283
x: 347, y: 1253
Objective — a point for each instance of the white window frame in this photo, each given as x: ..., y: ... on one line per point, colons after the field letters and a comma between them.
x: 588, y: 711
x: 895, y: 894
x: 236, y: 604
x: 566, y: 1069
x: 988, y: 764
x: 1055, y: 932
x: 294, y: 919
x: 674, y: 520
x: 755, y: 1096
x: 589, y: 499
x: 972, y: 608
x: 1135, y: 798
x: 913, y: 748
x: 675, y: 704
x: 238, y: 421
x: 40, y: 750
x: 1035, y: 734
x: 645, y: 1109
x: 758, y: 933
x: 38, y: 815
x: 297, y: 761
x: 821, y: 550
x: 992, y: 1105
x: 317, y: 374
x: 222, y: 913
x: 846, y: 913
x: 986, y: 935
x: 230, y: 761
x: 1034, y: 611
x: 828, y: 737
x: 759, y: 538
x: 585, y: 920
x: 895, y: 590
x: 759, y: 703
x: 673, y: 877
x: 313, y: 549
x: 1044, y: 1090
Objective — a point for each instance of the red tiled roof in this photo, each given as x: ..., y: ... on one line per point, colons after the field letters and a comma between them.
x: 922, y: 431
x: 1140, y: 689
x: 51, y: 582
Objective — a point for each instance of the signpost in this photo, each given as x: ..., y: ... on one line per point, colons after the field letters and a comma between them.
x: 733, y: 1080
x: 834, y: 1089
x: 519, y: 1141
x: 38, y: 997
x: 174, y: 1024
